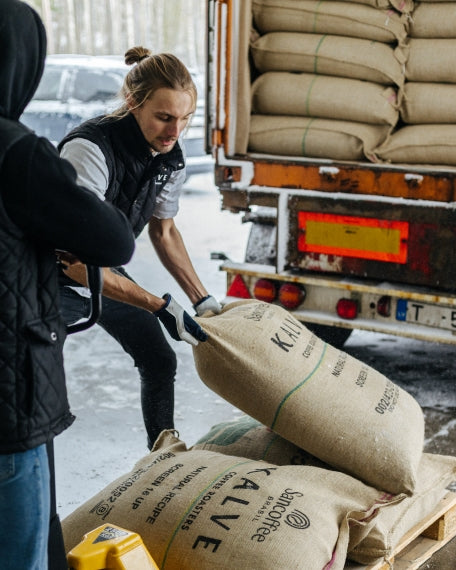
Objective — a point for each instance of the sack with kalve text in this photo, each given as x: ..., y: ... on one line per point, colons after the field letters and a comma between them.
x: 201, y: 509
x: 265, y: 362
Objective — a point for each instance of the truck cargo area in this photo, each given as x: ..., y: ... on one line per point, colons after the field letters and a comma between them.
x: 366, y: 239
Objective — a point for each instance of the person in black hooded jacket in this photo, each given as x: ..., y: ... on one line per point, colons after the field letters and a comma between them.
x: 42, y: 209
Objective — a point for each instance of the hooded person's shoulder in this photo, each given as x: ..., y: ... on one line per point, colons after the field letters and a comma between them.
x: 36, y: 154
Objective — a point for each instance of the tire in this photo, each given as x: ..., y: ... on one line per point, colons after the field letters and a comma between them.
x: 335, y: 336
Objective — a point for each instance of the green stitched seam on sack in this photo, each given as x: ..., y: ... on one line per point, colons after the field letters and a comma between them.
x: 268, y: 447
x: 190, y: 508
x: 316, y: 52
x: 316, y: 16
x: 304, y: 136
x: 229, y: 432
x: 309, y: 91
x: 296, y: 388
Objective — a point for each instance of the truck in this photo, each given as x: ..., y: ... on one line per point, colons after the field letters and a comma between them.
x: 343, y: 241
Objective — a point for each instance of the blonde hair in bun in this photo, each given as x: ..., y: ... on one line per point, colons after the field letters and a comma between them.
x: 149, y: 73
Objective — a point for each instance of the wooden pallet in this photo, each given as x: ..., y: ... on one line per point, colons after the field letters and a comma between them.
x: 422, y: 541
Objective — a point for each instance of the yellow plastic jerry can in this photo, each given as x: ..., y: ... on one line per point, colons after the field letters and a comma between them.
x: 110, y: 547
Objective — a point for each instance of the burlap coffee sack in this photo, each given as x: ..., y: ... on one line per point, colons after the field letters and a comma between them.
x: 329, y: 55
x: 246, y: 437
x: 325, y: 97
x: 205, y: 510
x: 269, y: 365
x: 421, y: 144
x: 433, y: 20
x: 428, y: 103
x: 404, y: 6
x: 316, y: 138
x: 339, y: 18
x: 431, y: 60
x: 434, y: 474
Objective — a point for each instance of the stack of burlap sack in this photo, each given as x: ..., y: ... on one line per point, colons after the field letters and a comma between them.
x: 326, y: 465
x: 340, y: 79
x: 427, y: 134
x: 329, y: 77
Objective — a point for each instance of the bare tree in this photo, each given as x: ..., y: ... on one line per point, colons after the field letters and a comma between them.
x: 130, y: 21
x: 115, y: 24
x: 71, y: 26
x: 47, y: 19
x: 86, y: 17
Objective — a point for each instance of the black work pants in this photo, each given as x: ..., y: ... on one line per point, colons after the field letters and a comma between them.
x: 139, y: 333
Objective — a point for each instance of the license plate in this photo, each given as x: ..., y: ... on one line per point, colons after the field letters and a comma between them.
x: 423, y: 314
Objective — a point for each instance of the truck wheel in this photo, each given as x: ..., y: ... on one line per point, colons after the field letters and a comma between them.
x: 335, y: 336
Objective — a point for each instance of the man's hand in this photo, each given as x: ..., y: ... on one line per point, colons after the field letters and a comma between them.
x: 208, y: 303
x: 178, y: 323
x: 66, y: 259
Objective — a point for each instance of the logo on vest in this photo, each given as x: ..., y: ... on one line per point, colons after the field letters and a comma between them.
x: 161, y: 179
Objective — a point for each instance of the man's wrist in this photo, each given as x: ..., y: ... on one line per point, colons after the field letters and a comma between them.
x: 201, y: 300
x: 165, y: 302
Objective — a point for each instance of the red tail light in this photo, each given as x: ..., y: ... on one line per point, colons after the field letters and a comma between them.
x: 347, y: 308
x: 238, y: 288
x: 291, y: 295
x: 265, y: 290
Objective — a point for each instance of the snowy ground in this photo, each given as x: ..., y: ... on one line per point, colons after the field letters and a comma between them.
x: 108, y: 436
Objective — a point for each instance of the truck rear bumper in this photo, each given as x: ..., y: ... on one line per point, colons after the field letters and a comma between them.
x: 390, y: 308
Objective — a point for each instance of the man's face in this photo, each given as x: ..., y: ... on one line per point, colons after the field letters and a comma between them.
x: 163, y: 117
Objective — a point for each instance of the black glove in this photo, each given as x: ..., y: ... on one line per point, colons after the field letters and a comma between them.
x: 178, y: 323
x: 208, y: 303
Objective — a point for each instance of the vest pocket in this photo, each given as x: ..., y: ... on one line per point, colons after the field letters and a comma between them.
x: 47, y: 332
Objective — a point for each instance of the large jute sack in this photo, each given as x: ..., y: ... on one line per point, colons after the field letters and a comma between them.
x: 201, y: 509
x: 246, y: 437
x: 323, y: 96
x: 316, y: 138
x: 421, y: 144
x: 431, y: 60
x: 434, y: 474
x: 433, y: 20
x: 262, y: 360
x: 404, y: 6
x: 428, y: 103
x: 329, y: 55
x: 338, y: 18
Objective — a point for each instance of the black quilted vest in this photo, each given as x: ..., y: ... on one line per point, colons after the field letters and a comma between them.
x: 33, y: 399
x: 135, y: 176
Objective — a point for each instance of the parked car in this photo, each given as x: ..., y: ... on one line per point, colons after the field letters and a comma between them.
x: 75, y: 88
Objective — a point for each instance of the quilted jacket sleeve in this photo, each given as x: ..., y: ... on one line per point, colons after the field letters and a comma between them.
x: 42, y: 198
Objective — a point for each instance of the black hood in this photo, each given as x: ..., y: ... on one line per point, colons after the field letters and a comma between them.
x: 22, y: 55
